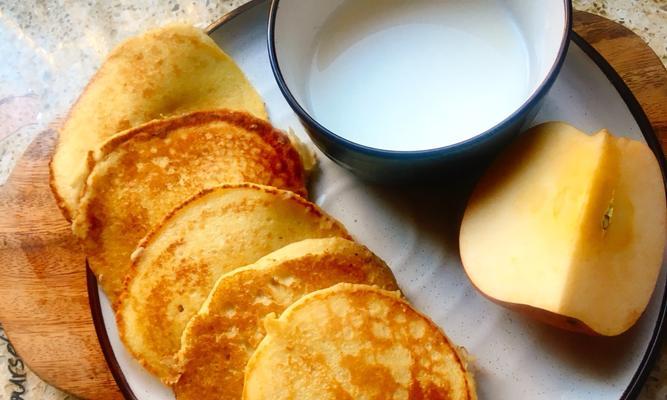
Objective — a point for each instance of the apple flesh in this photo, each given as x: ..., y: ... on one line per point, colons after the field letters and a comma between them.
x: 568, y: 228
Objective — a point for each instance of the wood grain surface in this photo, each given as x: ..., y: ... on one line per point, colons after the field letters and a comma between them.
x: 43, y: 298
x: 639, y: 67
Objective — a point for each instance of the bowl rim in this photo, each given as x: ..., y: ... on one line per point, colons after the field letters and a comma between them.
x: 461, y: 146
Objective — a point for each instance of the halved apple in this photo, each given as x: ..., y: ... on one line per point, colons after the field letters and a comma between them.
x: 568, y: 228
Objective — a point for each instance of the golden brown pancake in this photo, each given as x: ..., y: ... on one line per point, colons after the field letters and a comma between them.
x: 164, y: 72
x: 355, y: 342
x: 177, y: 264
x: 219, y: 340
x: 142, y: 174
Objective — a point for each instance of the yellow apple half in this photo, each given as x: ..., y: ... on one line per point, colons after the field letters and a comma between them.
x: 568, y: 228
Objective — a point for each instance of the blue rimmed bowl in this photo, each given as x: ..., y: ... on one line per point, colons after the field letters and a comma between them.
x: 395, y: 90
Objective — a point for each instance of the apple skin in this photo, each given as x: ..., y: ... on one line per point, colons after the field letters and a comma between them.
x: 568, y: 229
x: 547, y: 317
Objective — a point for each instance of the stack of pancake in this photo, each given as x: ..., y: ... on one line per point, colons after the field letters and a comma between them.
x: 226, y: 281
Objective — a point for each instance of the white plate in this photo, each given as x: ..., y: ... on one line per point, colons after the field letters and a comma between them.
x: 416, y: 232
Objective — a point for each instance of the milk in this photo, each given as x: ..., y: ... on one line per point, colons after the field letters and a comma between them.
x: 416, y: 74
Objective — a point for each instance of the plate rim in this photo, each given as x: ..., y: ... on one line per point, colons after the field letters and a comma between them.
x: 653, y: 346
x: 103, y: 337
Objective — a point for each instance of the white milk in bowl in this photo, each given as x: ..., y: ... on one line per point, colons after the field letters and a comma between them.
x: 417, y: 74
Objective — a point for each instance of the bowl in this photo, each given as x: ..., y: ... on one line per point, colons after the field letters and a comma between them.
x: 396, y: 90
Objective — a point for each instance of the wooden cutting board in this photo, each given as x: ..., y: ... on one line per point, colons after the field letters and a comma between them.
x: 43, y: 298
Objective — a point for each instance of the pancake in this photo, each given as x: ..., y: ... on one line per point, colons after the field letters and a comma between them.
x: 141, y: 175
x: 355, y: 342
x: 219, y: 340
x: 176, y: 265
x: 164, y: 72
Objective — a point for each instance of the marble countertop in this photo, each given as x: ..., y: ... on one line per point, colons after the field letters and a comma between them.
x: 50, y: 49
